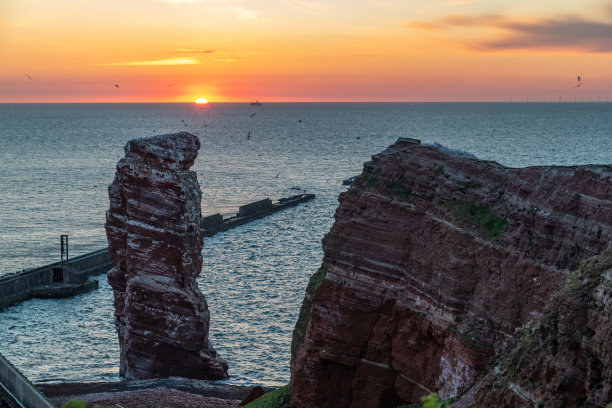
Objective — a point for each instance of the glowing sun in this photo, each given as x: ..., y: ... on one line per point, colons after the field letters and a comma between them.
x: 201, y: 100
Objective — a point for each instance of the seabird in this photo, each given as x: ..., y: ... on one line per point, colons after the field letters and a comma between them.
x: 579, y: 83
x: 116, y: 85
x: 29, y: 77
x: 253, y: 114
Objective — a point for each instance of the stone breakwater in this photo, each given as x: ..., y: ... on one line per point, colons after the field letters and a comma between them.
x: 155, y: 242
x: 434, y: 260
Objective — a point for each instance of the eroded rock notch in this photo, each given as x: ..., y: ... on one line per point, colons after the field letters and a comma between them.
x: 155, y: 241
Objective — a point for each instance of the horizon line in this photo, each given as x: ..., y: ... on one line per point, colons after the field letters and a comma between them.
x: 604, y: 100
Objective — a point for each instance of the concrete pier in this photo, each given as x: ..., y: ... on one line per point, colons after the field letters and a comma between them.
x: 58, y: 280
x: 54, y: 280
x: 16, y: 391
x: 213, y: 224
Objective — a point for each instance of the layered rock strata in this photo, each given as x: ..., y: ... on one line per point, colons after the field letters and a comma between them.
x: 563, y: 358
x: 433, y: 262
x: 155, y: 242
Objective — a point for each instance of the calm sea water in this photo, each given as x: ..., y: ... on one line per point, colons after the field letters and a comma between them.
x: 56, y: 162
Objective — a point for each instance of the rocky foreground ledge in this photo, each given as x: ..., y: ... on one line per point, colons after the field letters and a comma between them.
x: 436, y: 262
x: 171, y: 392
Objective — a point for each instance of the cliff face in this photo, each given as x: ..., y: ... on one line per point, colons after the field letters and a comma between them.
x: 155, y: 241
x: 563, y: 358
x: 434, y: 260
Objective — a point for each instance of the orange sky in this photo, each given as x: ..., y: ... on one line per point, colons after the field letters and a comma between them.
x: 304, y: 50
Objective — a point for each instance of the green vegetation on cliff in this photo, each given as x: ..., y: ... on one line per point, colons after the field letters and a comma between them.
x: 431, y: 401
x: 397, y: 189
x: 315, y: 280
x: 302, y: 322
x: 479, y: 216
x: 279, y: 398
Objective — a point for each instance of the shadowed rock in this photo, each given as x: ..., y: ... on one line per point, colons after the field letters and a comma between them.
x: 433, y: 262
x: 155, y: 241
x: 563, y: 358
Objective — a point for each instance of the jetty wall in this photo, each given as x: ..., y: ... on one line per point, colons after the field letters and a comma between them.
x: 213, y: 224
x: 19, y: 286
x: 17, y: 391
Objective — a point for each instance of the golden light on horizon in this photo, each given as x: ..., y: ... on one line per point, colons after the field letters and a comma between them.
x: 201, y: 100
x: 233, y: 51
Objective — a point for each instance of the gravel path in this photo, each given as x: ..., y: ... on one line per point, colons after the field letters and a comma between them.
x: 151, y: 398
x: 166, y: 393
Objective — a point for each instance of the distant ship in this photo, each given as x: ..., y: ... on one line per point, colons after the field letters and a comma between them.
x: 256, y: 103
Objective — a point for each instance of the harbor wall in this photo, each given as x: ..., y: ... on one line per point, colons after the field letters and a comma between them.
x: 19, y: 286
x: 250, y: 212
x: 17, y: 390
x: 255, y: 208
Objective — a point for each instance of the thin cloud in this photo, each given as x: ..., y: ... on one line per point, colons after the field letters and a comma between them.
x: 195, y: 50
x: 308, y: 6
x: 433, y: 7
x: 560, y: 33
x: 458, y: 3
x: 566, y: 33
x: 169, y: 61
x: 183, y: 1
x: 459, y: 20
x: 242, y: 13
x: 422, y: 25
x: 219, y: 56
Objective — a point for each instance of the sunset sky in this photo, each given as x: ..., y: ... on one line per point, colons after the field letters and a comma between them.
x: 304, y: 50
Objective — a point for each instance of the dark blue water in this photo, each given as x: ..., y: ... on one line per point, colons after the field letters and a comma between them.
x: 56, y: 162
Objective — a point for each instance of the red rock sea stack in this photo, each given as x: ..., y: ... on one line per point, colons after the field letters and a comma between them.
x: 434, y: 261
x: 155, y: 241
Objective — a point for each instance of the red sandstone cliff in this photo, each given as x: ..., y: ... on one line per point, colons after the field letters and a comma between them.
x: 434, y: 260
x: 155, y: 241
x: 563, y: 358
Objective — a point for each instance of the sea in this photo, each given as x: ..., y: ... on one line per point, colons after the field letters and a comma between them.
x: 57, y: 160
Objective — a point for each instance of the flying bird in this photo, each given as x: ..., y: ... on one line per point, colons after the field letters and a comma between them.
x: 29, y: 77
x: 579, y: 83
x: 253, y: 114
x: 116, y: 85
